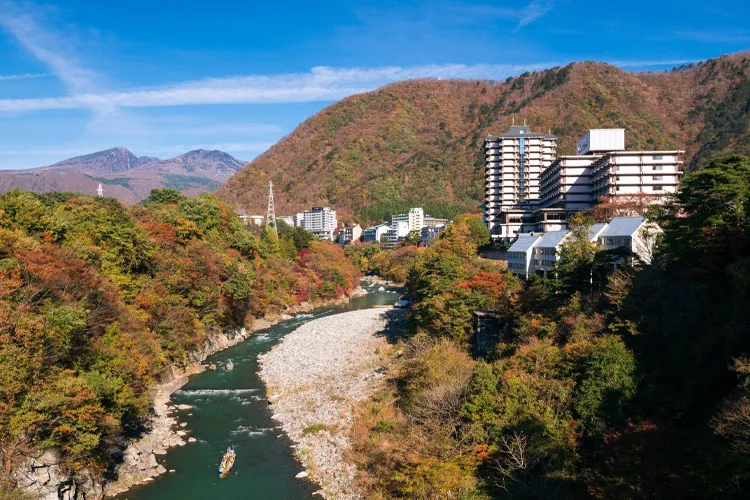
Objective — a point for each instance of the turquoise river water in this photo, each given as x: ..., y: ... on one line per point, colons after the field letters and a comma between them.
x: 230, y: 408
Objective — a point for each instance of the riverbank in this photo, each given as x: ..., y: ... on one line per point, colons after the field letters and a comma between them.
x: 42, y: 477
x: 140, y: 464
x: 314, y: 377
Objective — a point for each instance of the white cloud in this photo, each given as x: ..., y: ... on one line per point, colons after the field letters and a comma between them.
x: 24, y: 76
x: 320, y: 84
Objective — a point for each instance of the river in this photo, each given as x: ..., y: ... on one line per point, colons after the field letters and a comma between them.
x: 230, y: 408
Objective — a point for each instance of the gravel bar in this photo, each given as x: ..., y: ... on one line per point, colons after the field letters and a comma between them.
x: 314, y: 376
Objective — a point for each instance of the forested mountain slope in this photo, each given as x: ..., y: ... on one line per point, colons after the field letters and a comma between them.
x: 419, y: 142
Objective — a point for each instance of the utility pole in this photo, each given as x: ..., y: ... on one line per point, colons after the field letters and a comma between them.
x: 271, y: 215
x: 100, y: 191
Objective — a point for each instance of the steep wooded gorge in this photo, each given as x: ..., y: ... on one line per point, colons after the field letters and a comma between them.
x: 420, y: 141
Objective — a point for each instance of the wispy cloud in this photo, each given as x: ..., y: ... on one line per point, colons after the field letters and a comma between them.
x: 320, y: 84
x: 47, y: 44
x: 533, y: 11
x: 25, y: 76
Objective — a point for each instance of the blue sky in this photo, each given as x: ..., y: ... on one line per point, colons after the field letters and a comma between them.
x: 164, y: 77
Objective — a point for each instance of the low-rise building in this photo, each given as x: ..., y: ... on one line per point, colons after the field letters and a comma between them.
x: 429, y: 233
x: 321, y: 221
x: 287, y: 219
x: 430, y: 221
x: 632, y: 233
x: 539, y: 253
x: 348, y: 234
x: 519, y: 255
x: 376, y: 232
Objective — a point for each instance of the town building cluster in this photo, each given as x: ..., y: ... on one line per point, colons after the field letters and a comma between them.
x: 415, y: 222
x: 529, y: 188
x: 321, y: 221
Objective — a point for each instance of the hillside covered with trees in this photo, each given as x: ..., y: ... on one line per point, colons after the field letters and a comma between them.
x: 419, y: 142
x: 611, y: 384
x: 96, y: 300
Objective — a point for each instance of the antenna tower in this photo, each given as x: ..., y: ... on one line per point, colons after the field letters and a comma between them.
x: 271, y: 215
x: 100, y: 191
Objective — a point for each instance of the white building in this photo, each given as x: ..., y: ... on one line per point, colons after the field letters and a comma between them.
x: 376, y: 232
x: 399, y: 230
x: 539, y: 253
x: 416, y: 219
x: 578, y: 182
x: 601, y: 169
x: 513, y: 164
x: 632, y: 233
x: 519, y: 255
x: 321, y: 221
x: 626, y: 173
x: 348, y: 234
x: 546, y: 250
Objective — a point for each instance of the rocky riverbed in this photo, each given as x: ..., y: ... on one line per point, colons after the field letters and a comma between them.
x: 41, y: 475
x: 314, y: 377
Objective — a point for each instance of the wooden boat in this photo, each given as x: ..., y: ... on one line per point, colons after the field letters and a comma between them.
x: 230, y: 365
x: 227, y: 462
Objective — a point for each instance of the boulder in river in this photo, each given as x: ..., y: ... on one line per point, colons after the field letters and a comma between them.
x: 302, y: 474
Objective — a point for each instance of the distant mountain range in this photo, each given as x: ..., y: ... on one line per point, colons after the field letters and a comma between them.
x: 126, y: 176
x: 420, y: 142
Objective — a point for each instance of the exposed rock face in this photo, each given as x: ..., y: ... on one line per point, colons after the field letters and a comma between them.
x: 43, y: 477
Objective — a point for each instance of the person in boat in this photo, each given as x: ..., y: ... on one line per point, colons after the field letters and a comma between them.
x: 227, y: 462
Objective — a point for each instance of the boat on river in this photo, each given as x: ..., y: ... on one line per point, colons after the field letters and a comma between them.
x: 229, y: 366
x: 227, y: 462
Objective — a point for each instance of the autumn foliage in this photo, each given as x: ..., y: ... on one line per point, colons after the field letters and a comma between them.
x: 97, y: 299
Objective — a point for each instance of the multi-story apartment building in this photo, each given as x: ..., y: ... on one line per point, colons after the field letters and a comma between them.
x: 399, y: 230
x: 321, y: 221
x: 627, y: 173
x: 416, y: 219
x: 605, y: 169
x: 513, y: 164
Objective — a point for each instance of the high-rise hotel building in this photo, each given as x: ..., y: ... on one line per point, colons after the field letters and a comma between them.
x: 514, y: 162
x: 528, y: 188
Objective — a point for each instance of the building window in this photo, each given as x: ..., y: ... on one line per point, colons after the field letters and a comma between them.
x: 658, y: 177
x: 618, y: 188
x: 658, y: 167
x: 658, y: 188
x: 617, y: 178
x: 657, y: 157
